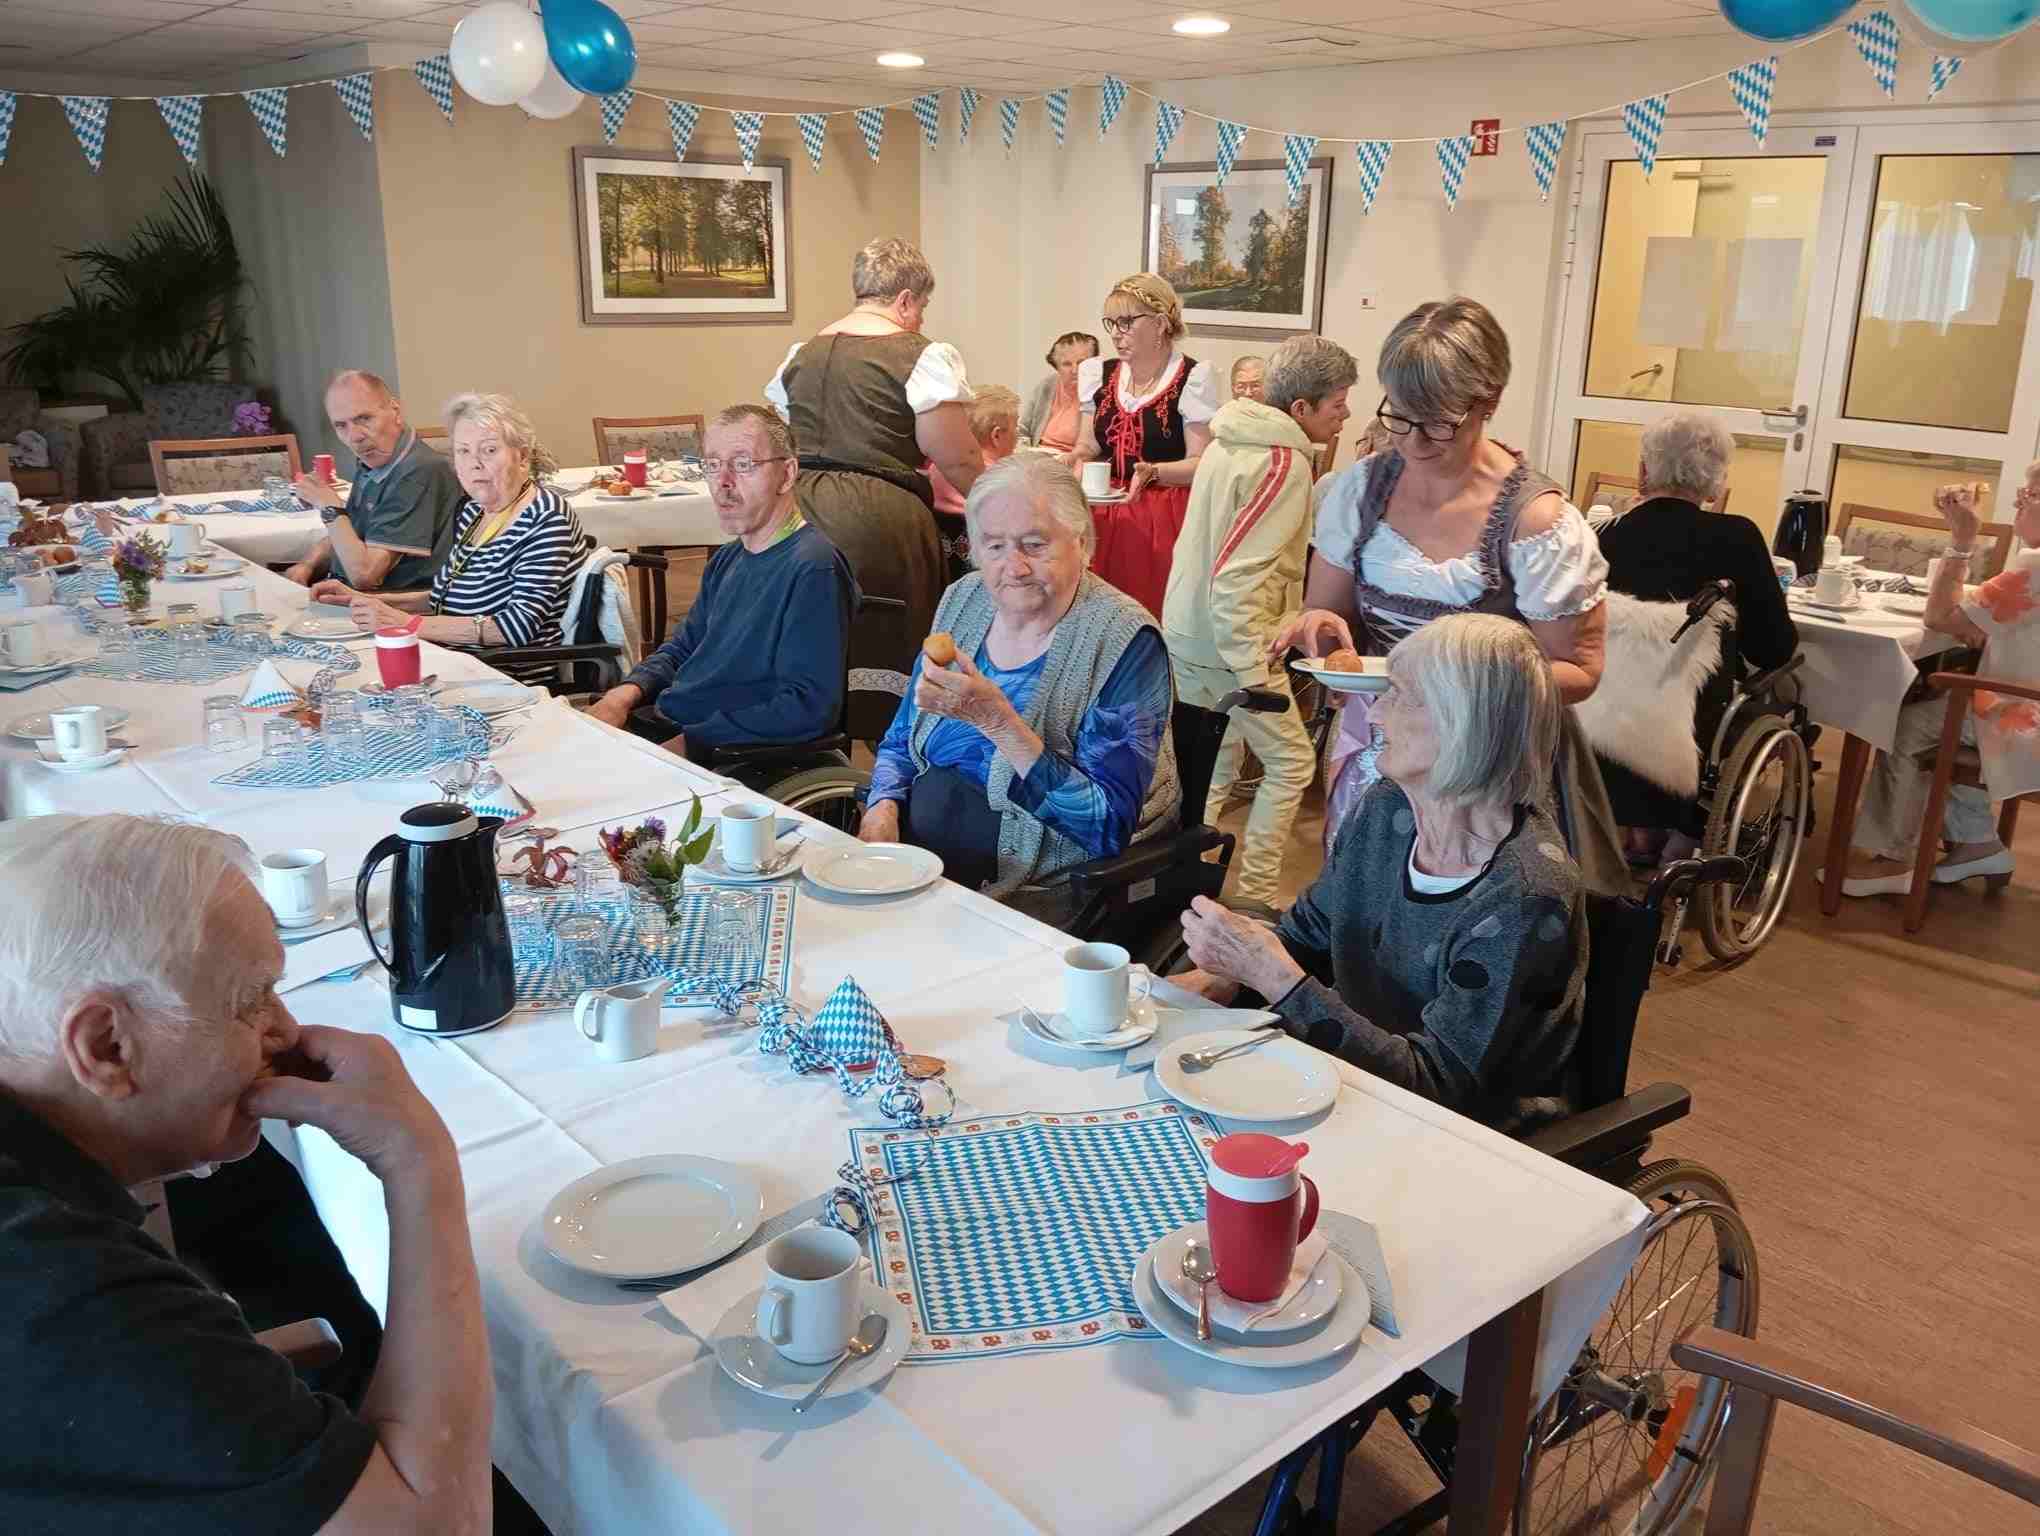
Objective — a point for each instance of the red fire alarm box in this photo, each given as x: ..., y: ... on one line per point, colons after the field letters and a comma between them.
x: 1487, y: 135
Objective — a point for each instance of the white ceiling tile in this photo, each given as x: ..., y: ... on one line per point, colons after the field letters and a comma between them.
x: 949, y: 21
x: 1680, y: 26
x: 1348, y: 13
x: 1584, y: 13
x: 348, y: 14
x: 1507, y: 40
x: 821, y: 10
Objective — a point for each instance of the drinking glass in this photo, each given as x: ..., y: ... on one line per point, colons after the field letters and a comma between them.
x: 276, y: 490
x: 446, y: 734
x: 522, y: 908
x: 346, y: 739
x: 596, y: 882
x: 649, y: 921
x: 251, y: 633
x: 281, y: 739
x: 409, y: 706
x: 732, y: 934
x: 225, y: 728
x: 581, y: 945
x: 340, y: 705
x: 116, y: 641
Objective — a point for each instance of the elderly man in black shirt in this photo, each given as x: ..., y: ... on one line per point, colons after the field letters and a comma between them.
x: 140, y: 1036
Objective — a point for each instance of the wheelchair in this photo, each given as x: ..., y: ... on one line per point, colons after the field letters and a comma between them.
x: 1627, y: 1442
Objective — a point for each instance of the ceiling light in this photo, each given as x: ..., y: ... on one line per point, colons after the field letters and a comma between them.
x: 901, y: 60
x: 1202, y: 26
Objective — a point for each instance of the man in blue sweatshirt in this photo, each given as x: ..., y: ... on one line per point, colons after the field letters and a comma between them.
x: 763, y: 652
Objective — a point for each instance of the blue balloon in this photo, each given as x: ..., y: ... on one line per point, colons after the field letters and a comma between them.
x: 1781, y: 21
x: 1975, y: 21
x: 590, y: 46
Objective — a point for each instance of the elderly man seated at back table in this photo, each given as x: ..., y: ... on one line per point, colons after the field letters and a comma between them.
x: 141, y: 1035
x: 398, y: 515
x: 763, y: 654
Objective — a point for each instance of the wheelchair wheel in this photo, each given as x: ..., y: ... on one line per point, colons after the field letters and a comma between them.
x: 1762, y: 805
x: 832, y: 795
x: 1626, y: 1443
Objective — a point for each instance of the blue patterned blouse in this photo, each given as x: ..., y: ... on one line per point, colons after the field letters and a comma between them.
x: 1094, y: 800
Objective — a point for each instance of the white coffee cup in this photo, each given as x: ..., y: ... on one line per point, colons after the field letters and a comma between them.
x: 1097, y: 477
x: 1098, y: 986
x: 749, y: 830
x: 79, y: 732
x: 294, y: 885
x: 184, y: 538
x: 35, y: 588
x: 236, y: 597
x: 813, y: 1296
x: 1834, y: 585
x: 22, y: 644
x: 623, y: 1021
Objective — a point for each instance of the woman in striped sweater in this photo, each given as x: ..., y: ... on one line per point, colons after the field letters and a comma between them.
x: 517, y: 546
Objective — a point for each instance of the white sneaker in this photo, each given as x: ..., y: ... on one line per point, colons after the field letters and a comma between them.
x: 1999, y: 863
x: 1871, y: 885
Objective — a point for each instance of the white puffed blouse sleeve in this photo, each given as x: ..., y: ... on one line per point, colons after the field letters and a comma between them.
x: 1561, y: 572
x: 937, y: 379
x: 1090, y: 378
x: 775, y: 392
x: 1200, y: 402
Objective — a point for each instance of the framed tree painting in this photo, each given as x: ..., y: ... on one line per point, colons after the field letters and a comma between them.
x: 1246, y: 262
x: 666, y: 242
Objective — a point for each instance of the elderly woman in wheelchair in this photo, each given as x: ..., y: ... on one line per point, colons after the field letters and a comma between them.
x: 1443, y: 946
x: 1035, y: 732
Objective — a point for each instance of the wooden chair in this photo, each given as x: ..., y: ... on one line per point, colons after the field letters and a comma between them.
x: 1902, y: 548
x: 187, y: 464
x: 660, y: 437
x: 1596, y: 479
x: 1953, y: 763
x: 1763, y: 1375
x: 431, y: 434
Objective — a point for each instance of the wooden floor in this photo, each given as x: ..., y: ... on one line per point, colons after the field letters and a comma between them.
x: 1873, y: 1099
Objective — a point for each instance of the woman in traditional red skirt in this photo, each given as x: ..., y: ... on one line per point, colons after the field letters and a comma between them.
x: 1148, y: 412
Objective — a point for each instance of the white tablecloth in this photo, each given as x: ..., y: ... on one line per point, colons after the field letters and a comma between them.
x: 1859, y: 665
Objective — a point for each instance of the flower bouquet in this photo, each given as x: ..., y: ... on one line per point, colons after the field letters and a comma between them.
x: 137, y: 561
x: 251, y: 419
x: 647, y: 861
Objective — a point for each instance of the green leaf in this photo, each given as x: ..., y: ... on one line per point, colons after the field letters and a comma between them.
x: 697, y: 850
x: 693, y: 818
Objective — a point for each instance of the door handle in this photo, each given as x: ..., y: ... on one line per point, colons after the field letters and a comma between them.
x: 1784, y: 420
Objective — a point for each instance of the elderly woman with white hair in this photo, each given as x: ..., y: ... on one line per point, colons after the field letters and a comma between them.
x: 1035, y: 735
x: 516, y: 549
x: 1443, y: 946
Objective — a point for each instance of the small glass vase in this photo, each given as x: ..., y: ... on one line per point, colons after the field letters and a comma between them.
x: 134, y: 595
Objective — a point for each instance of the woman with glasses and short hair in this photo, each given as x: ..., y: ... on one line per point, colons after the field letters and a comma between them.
x: 1447, y: 520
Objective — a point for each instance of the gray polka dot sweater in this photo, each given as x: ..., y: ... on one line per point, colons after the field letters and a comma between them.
x: 1471, y: 998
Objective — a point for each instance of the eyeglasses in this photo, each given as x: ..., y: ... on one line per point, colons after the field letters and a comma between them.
x: 742, y: 464
x: 1432, y: 431
x: 1119, y: 325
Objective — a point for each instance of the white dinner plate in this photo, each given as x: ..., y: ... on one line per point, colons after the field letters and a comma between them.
x: 631, y: 496
x: 57, y: 764
x: 652, y: 1216
x: 326, y: 629
x: 216, y: 566
x: 697, y: 488
x: 36, y: 727
x: 1903, y: 602
x: 1320, y: 1294
x: 487, y: 698
x: 871, y: 869
x: 1371, y: 678
x: 1282, y: 1080
x: 56, y: 662
x: 1335, y: 1335
x: 754, y: 1363
x: 1055, y: 1029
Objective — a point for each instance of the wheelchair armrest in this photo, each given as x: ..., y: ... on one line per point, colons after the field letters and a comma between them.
x: 538, y: 655
x: 1594, y: 1136
x: 1762, y: 682
x: 1257, y: 701
x: 744, y: 754
x: 1145, y: 860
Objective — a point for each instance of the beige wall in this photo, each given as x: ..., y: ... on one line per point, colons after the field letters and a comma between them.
x: 310, y: 227
x: 486, y: 294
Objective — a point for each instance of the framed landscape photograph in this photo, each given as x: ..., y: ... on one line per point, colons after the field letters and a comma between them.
x: 666, y: 242
x: 1244, y: 261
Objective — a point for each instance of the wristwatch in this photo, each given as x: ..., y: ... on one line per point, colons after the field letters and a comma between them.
x: 328, y: 514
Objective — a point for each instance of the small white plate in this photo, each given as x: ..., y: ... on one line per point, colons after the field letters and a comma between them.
x: 326, y: 629
x: 752, y: 1362
x: 871, y: 869
x: 79, y: 764
x: 55, y: 663
x: 652, y: 1216
x: 216, y: 566
x: 786, y: 861
x: 1334, y: 1336
x: 1313, y: 1303
x: 1372, y: 678
x: 1108, y: 499
x: 1055, y: 1028
x: 489, y: 699
x: 36, y: 727
x: 697, y: 488
x: 1903, y: 602
x: 1282, y: 1080
x: 612, y: 496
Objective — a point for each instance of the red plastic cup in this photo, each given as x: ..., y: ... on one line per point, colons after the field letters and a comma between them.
x: 322, y: 466
x: 634, y: 468
x: 1258, y: 1208
x: 396, y: 657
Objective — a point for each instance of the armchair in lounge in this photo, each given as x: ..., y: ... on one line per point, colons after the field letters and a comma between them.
x: 117, y: 446
x: 21, y: 411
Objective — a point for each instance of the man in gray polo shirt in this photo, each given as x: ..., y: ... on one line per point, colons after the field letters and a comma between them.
x: 400, y: 513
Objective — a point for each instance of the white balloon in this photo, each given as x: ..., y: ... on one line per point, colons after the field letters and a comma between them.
x: 553, y: 97
x: 498, y: 53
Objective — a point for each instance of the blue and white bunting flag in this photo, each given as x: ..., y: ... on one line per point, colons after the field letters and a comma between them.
x: 1297, y: 148
x: 1946, y: 65
x: 1230, y: 137
x: 750, y: 128
x: 1111, y: 97
x: 1009, y: 121
x: 6, y: 123
x: 182, y: 115
x: 436, y: 75
x: 1645, y: 122
x: 1371, y: 155
x: 871, y: 123
x: 271, y: 106
x: 1876, y: 38
x: 87, y: 115
x: 1058, y: 101
x: 1545, y: 142
x: 928, y: 113
x: 1751, y: 88
x: 814, y: 133
x: 357, y: 95
x: 1452, y: 157
x: 614, y: 106
x: 681, y: 116
x: 1168, y: 123
x: 966, y: 109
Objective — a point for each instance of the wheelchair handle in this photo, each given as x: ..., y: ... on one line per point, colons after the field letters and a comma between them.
x: 1703, y: 601
x: 1679, y: 877
x: 1256, y: 701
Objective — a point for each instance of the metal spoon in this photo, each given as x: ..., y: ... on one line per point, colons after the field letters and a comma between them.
x: 1200, y: 1271
x: 1203, y: 1061
x: 869, y: 1336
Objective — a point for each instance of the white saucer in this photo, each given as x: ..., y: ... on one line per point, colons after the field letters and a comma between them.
x: 871, y: 869
x: 54, y: 663
x: 612, y: 496
x: 1142, y: 1015
x: 1904, y: 602
x: 80, y: 764
x: 1373, y: 678
x: 339, y: 914
x: 1281, y: 1080
x: 1312, y: 1304
x: 752, y: 1362
x: 326, y: 629
x: 648, y: 1217
x: 1334, y: 1336
x: 216, y: 567
x: 787, y: 862
x: 36, y: 727
x: 487, y: 698
x: 1107, y: 499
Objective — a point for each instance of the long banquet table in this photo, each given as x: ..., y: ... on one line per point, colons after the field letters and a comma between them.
x: 612, y: 1416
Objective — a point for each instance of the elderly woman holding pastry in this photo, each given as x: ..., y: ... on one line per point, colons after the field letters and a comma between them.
x: 1035, y: 734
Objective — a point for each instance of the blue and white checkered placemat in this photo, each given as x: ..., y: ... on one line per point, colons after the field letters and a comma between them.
x: 85, y: 586
x: 393, y: 752
x: 251, y: 503
x: 1020, y: 1232
x: 155, y: 659
x: 542, y: 983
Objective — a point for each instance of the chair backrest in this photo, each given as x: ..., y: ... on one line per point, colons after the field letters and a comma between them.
x: 1621, y: 492
x: 184, y: 465
x: 1906, y: 541
x: 431, y: 434
x: 657, y: 437
x: 1197, y: 734
x: 18, y: 411
x: 1621, y: 947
